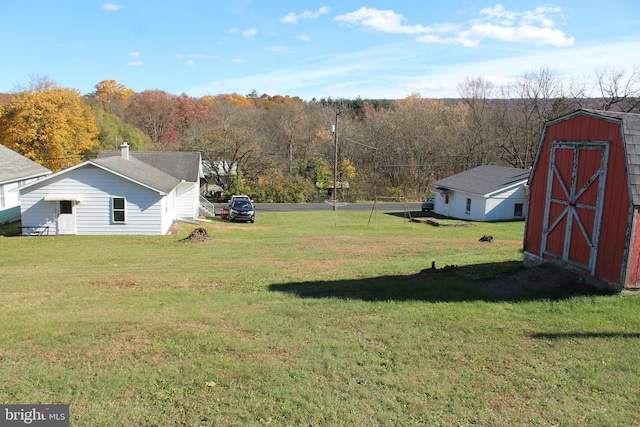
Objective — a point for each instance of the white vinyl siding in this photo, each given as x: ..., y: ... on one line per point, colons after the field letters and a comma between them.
x: 10, y: 209
x: 498, y: 206
x: 145, y: 213
x: 187, y: 200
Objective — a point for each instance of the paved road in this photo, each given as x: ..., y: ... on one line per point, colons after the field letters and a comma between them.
x: 300, y: 207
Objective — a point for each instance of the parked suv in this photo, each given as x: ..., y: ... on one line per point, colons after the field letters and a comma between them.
x: 242, y: 210
x: 427, y: 205
x: 239, y: 197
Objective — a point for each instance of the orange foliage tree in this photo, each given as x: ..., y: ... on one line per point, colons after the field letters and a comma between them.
x: 113, y: 96
x: 49, y: 125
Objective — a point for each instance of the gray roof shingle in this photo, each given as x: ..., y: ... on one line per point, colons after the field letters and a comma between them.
x: 183, y: 165
x: 483, y: 180
x: 139, y: 171
x: 14, y: 166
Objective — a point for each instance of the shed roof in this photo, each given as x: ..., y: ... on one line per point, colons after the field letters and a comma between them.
x: 15, y: 167
x: 483, y: 180
x: 184, y: 165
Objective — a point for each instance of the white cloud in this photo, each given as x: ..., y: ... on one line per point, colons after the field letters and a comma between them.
x: 135, y: 63
x: 532, y: 27
x: 521, y: 34
x: 304, y: 37
x: 250, y: 34
x: 134, y: 54
x: 293, y: 18
x: 191, y: 63
x: 110, y: 7
x: 496, y: 23
x: 386, y: 21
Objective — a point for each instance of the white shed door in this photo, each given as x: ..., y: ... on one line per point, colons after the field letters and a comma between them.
x: 67, y: 217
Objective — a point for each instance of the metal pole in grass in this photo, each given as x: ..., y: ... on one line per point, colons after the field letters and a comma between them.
x: 334, y: 130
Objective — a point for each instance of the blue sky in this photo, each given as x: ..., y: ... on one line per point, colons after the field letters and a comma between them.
x: 311, y: 49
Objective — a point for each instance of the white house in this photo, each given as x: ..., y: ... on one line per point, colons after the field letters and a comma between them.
x: 15, y: 171
x: 117, y: 193
x: 484, y: 193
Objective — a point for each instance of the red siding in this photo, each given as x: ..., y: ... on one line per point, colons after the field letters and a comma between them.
x: 615, y: 215
x: 633, y: 280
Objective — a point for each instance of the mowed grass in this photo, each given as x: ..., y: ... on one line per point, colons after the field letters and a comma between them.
x: 308, y: 319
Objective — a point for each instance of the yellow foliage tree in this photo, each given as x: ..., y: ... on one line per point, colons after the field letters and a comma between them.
x: 234, y: 98
x: 348, y: 170
x: 49, y: 125
x: 113, y: 96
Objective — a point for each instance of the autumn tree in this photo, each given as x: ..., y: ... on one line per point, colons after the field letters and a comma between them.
x: 229, y: 140
x: 156, y: 113
x: 48, y: 124
x: 419, y: 135
x: 525, y: 106
x: 474, y: 125
x: 112, y: 96
x: 112, y: 132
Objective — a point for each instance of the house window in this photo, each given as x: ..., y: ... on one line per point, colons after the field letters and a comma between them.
x: 468, y: 208
x: 66, y: 207
x: 517, y: 210
x: 446, y: 198
x: 118, y: 210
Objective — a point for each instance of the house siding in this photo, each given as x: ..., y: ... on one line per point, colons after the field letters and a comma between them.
x: 144, y: 207
x: 497, y: 207
x: 187, y: 200
x: 501, y: 206
x: 10, y: 211
x: 458, y: 206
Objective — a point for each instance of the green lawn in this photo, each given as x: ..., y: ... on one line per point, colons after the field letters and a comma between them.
x: 308, y: 319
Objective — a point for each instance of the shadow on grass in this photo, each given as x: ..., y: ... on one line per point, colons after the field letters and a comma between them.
x: 582, y: 335
x: 11, y: 229
x: 448, y: 284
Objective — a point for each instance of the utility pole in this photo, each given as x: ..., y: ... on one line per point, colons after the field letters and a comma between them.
x: 335, y: 162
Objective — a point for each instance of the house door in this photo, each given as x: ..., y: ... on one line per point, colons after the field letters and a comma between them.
x: 445, y: 211
x: 573, y: 209
x: 67, y: 217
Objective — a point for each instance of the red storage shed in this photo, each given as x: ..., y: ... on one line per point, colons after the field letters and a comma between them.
x: 584, y: 197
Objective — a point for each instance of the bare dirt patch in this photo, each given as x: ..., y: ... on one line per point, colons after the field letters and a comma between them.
x: 198, y: 235
x: 553, y: 280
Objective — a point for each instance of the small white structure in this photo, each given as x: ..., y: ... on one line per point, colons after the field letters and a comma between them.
x: 484, y: 193
x: 15, y: 171
x: 117, y: 193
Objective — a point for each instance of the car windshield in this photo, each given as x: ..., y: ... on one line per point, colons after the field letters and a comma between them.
x: 243, y: 204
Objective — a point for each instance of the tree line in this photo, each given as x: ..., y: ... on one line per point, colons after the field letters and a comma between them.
x: 282, y: 149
